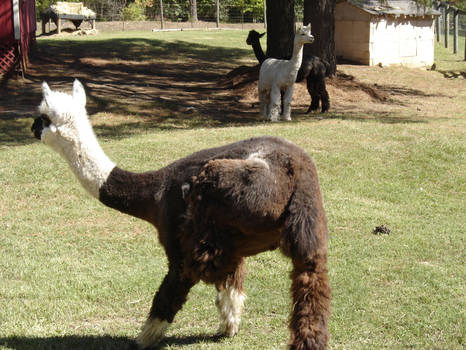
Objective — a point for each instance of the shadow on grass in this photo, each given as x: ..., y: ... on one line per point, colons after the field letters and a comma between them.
x: 105, y: 342
x: 140, y: 84
x: 379, y: 117
x: 67, y: 343
x: 154, y: 83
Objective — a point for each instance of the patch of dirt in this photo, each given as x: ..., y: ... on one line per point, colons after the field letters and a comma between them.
x: 244, y: 79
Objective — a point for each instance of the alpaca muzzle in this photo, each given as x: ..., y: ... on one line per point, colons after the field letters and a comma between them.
x: 39, y: 124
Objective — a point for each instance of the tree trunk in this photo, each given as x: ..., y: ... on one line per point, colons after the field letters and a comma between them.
x: 320, y: 13
x: 280, y: 28
x: 193, y: 4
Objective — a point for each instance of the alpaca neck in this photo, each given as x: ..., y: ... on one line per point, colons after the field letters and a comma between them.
x: 88, y: 161
x: 260, y: 55
x: 297, y: 57
x: 136, y: 194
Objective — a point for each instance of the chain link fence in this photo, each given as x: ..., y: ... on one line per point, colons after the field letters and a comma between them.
x: 172, y: 14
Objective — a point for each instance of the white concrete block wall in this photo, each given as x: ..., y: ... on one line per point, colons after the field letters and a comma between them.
x: 371, y: 40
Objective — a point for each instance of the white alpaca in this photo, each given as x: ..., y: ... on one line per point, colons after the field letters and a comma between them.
x: 279, y: 75
x: 211, y: 209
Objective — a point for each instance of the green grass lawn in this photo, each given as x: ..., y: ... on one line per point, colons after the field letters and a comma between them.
x: 447, y: 61
x: 77, y: 275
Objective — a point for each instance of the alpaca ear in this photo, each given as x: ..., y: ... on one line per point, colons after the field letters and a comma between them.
x: 79, y: 95
x: 46, y: 92
x: 261, y: 35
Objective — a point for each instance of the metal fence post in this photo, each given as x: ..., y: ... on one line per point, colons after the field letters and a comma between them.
x: 265, y: 14
x: 446, y: 23
x: 161, y: 14
x: 455, y: 31
x: 218, y: 13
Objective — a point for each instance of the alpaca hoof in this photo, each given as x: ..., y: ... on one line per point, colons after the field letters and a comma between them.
x: 152, y: 333
x: 228, y: 330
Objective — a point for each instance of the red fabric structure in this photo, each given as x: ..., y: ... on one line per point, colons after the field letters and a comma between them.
x: 17, y: 33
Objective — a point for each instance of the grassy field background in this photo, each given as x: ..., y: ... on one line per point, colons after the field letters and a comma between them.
x: 77, y: 275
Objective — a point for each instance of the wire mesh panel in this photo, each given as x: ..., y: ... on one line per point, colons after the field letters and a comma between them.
x: 208, y: 12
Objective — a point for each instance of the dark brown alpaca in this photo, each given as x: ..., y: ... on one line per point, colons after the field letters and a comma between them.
x: 211, y: 209
x: 253, y: 39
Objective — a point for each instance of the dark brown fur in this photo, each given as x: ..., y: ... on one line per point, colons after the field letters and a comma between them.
x: 216, y: 207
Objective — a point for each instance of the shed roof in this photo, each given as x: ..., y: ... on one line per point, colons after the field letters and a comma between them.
x: 393, y: 7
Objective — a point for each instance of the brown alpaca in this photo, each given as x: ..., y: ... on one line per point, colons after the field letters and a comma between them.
x: 211, y: 209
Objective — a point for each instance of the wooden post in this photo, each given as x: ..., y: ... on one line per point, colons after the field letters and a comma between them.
x: 437, y: 22
x: 58, y: 25
x: 455, y: 31
x: 161, y: 14
x: 446, y: 25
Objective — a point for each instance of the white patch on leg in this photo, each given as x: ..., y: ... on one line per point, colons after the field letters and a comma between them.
x: 152, y: 332
x: 230, y: 305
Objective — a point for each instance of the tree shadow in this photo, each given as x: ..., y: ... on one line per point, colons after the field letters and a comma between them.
x: 160, y: 84
x: 379, y: 117
x: 451, y: 74
x: 144, y: 83
x: 104, y: 342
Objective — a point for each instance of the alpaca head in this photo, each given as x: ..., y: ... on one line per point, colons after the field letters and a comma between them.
x: 62, y: 117
x: 253, y: 37
x: 303, y: 35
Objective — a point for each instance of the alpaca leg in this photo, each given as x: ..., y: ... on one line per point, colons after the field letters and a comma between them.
x: 274, y: 105
x: 282, y: 94
x: 287, y: 99
x: 324, y: 97
x: 314, y: 92
x: 264, y: 99
x: 230, y: 301
x: 167, y: 301
x: 311, y: 305
x: 304, y: 240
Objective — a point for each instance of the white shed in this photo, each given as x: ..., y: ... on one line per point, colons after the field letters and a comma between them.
x: 389, y: 32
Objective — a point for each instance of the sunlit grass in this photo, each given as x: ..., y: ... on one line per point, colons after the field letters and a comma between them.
x: 77, y: 275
